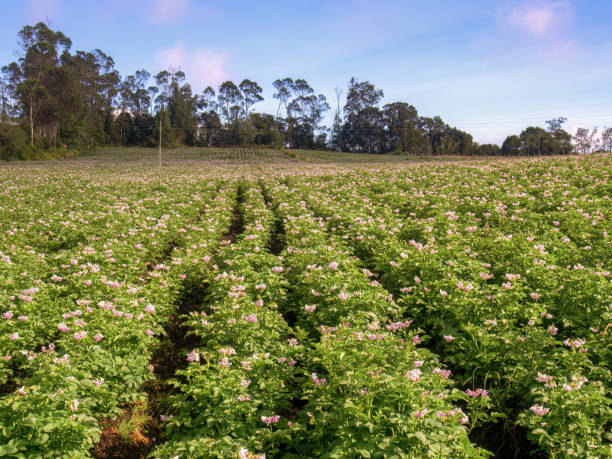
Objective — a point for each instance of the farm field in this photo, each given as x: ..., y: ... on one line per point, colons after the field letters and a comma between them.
x: 260, y: 303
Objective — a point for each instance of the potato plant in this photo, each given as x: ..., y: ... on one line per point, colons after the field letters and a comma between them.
x: 307, y: 309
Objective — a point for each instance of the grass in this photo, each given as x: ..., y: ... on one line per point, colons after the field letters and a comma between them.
x: 131, y: 426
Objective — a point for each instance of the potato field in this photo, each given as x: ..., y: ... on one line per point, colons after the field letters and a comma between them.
x: 261, y: 303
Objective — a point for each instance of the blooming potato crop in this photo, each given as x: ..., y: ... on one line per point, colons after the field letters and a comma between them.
x: 503, y: 293
x: 91, y: 308
x: 344, y: 311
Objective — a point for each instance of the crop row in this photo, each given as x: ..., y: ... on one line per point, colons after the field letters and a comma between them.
x: 501, y: 308
x: 373, y: 392
x: 345, y: 379
x: 235, y: 394
x: 99, y: 308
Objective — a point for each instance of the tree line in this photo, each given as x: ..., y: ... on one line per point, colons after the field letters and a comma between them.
x: 53, y: 99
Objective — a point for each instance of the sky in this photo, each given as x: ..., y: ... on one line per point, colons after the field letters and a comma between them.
x: 489, y: 67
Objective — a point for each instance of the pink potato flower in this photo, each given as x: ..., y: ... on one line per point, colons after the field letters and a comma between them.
x: 540, y: 410
x: 270, y: 419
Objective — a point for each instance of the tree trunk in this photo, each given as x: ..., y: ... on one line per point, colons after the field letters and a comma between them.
x: 31, y: 125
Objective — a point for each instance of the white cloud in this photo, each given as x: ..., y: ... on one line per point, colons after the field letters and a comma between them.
x: 167, y: 11
x: 202, y: 66
x: 539, y: 18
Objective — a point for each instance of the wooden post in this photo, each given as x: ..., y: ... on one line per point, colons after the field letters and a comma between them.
x: 160, y: 140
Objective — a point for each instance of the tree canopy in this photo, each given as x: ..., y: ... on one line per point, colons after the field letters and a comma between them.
x: 52, y: 97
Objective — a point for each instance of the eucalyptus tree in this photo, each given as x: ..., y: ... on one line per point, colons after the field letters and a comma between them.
x: 141, y: 94
x: 152, y: 92
x: 206, y: 101
x: 251, y: 94
x: 401, y: 121
x: 364, y: 127
x: 88, y: 92
x: 34, y: 77
x: 230, y: 101
x: 555, y: 124
x: 304, y: 114
x: 582, y: 140
x: 182, y: 109
x: 562, y: 138
x: 283, y: 92
x: 162, y: 81
x: 209, y: 124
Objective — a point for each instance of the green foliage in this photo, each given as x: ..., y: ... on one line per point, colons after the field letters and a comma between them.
x: 486, y: 149
x: 517, y: 303
x: 168, y: 134
x: 13, y: 142
x: 535, y: 141
x: 311, y: 308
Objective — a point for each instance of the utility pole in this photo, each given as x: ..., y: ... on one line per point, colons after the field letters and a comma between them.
x: 160, y: 129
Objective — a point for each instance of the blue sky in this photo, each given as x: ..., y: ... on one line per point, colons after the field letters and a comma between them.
x: 489, y: 67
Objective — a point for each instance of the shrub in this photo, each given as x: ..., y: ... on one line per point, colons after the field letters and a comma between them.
x: 13, y: 142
